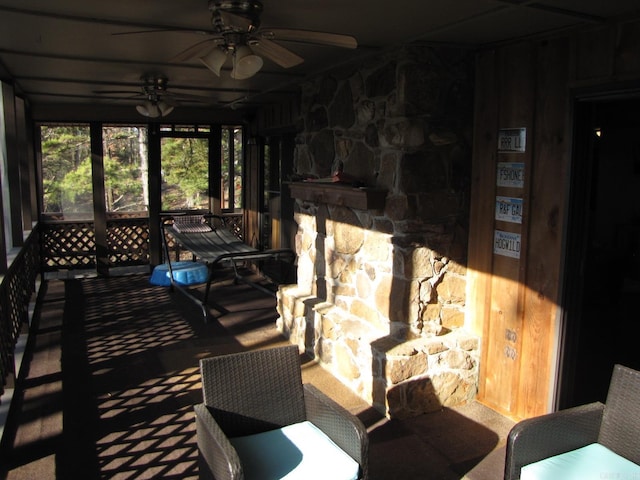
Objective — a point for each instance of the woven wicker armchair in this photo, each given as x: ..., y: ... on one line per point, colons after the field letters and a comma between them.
x: 261, y: 391
x: 615, y: 425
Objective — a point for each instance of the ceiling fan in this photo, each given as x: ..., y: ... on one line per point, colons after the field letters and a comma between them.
x: 237, y: 34
x: 155, y: 100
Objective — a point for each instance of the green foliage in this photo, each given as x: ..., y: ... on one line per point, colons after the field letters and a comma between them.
x: 63, y: 150
x: 185, y: 167
x: 75, y: 188
x: 67, y: 169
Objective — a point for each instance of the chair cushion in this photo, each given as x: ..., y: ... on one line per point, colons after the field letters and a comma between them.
x: 184, y: 273
x: 591, y: 462
x: 299, y: 451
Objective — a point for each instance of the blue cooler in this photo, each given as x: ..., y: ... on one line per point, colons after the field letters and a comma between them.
x: 184, y: 273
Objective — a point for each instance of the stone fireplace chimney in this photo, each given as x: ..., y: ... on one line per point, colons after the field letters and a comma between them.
x: 380, y: 292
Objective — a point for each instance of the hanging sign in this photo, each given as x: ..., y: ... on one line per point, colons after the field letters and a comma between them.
x: 510, y: 175
x: 506, y: 244
x: 512, y: 140
x: 509, y: 209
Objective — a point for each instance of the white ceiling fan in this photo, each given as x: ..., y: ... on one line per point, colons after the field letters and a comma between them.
x: 237, y: 34
x: 154, y: 99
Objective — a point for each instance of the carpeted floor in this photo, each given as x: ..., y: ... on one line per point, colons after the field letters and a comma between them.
x: 112, y: 375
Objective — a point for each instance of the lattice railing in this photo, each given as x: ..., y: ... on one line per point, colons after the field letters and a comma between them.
x: 16, y: 289
x: 67, y: 245
x: 71, y: 245
x: 128, y: 240
x: 234, y: 222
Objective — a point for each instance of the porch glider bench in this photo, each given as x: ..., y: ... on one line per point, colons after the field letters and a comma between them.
x: 212, y: 244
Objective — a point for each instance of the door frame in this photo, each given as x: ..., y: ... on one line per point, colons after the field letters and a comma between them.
x: 579, y: 190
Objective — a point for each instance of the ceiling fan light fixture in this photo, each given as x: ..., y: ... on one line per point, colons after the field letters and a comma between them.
x: 142, y: 110
x: 245, y: 63
x: 148, y: 109
x: 164, y: 108
x: 154, y: 109
x: 214, y: 59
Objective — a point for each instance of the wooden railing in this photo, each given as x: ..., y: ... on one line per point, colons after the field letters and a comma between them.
x: 16, y: 289
x: 66, y: 245
x: 71, y: 245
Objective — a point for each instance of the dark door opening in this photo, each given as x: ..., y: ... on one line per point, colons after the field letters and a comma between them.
x: 602, y: 280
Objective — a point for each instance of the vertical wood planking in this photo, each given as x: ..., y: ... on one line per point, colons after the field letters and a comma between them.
x: 548, y: 184
x: 515, y: 304
x: 502, y: 339
x: 480, y: 254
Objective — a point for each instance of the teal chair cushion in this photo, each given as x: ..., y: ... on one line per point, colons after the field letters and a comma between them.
x: 591, y: 462
x: 296, y: 452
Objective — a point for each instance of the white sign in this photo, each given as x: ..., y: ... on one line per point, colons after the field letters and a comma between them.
x: 512, y: 140
x: 509, y: 209
x: 510, y: 175
x: 506, y: 244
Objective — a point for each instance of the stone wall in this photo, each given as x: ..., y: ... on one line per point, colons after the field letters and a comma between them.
x: 381, y: 293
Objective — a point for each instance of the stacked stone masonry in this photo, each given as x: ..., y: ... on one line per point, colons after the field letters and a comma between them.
x: 380, y: 294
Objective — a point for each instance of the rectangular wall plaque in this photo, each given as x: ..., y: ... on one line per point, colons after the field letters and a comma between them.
x: 512, y: 140
x: 509, y: 209
x: 506, y: 244
x: 510, y: 175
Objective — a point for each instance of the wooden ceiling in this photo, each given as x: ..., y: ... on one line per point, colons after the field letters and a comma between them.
x: 68, y: 53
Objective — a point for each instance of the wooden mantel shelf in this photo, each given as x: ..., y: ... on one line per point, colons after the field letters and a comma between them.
x: 361, y: 198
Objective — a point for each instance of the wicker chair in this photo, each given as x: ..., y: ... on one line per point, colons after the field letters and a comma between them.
x: 247, y: 393
x: 614, y: 425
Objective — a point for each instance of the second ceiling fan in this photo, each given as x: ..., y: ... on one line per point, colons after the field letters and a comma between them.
x: 237, y: 34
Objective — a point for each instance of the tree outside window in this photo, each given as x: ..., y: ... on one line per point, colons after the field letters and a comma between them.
x: 66, y: 170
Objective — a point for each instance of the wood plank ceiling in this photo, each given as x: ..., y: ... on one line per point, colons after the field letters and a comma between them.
x: 70, y: 52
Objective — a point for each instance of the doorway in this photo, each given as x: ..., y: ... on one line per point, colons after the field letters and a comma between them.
x: 602, y: 277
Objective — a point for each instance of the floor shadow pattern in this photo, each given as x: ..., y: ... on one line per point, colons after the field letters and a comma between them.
x: 129, y: 368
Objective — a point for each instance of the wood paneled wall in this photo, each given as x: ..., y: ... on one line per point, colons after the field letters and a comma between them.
x: 514, y: 303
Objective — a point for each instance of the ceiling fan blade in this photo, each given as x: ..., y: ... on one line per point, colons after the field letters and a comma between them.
x: 310, y: 36
x: 135, y: 32
x: 196, y: 50
x: 167, y: 29
x: 276, y: 53
x: 118, y: 92
x: 172, y: 102
x: 188, y: 97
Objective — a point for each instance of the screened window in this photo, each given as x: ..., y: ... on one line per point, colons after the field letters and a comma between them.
x: 185, y: 173
x: 232, y: 168
x: 66, y: 171
x: 126, y: 169
x: 67, y: 182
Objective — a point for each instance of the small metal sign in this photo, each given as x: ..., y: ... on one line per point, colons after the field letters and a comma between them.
x: 512, y: 140
x: 509, y: 209
x: 510, y: 175
x: 506, y: 244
